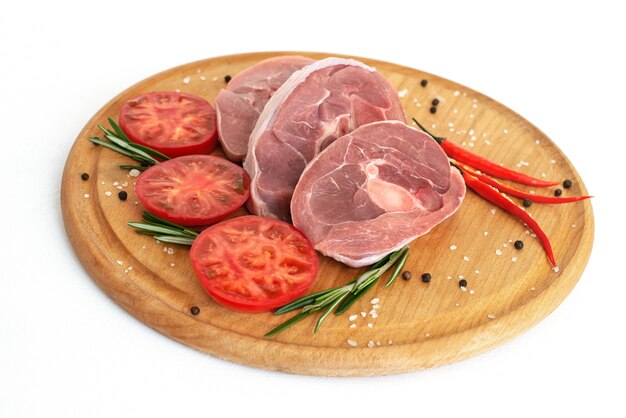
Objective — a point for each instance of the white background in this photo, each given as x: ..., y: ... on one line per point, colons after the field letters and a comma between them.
x: 67, y: 350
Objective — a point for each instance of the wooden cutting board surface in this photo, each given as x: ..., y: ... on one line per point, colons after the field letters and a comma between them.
x: 413, y: 325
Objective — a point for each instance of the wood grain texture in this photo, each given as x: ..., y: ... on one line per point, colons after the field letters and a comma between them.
x: 418, y: 325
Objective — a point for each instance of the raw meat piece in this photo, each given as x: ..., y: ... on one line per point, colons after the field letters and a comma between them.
x: 373, y: 191
x: 317, y: 105
x: 240, y: 104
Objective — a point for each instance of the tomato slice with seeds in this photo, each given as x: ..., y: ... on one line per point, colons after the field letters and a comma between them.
x: 194, y: 190
x: 174, y: 124
x: 254, y: 264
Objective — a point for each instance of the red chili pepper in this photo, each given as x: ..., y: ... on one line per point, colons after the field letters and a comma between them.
x: 474, y: 160
x: 478, y: 162
x: 492, y: 195
x: 517, y: 192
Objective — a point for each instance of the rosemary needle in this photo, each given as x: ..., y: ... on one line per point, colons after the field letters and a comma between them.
x: 164, y: 230
x: 116, y: 140
x: 340, y: 298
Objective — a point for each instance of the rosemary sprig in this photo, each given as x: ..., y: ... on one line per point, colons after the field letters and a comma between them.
x: 117, y: 141
x: 340, y: 298
x: 164, y: 230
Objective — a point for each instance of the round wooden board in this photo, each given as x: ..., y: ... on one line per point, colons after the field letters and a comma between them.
x: 416, y: 325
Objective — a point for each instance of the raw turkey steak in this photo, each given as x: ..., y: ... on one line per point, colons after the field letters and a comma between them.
x: 373, y: 191
x: 315, y: 106
x: 240, y: 104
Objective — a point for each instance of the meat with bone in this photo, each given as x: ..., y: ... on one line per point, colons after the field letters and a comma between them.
x: 315, y: 106
x: 240, y: 104
x: 373, y: 191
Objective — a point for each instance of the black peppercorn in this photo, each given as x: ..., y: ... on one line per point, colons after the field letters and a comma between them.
x: 462, y: 283
x: 426, y: 277
x: 567, y: 184
x: 406, y: 275
x: 527, y: 202
x: 122, y: 195
x: 227, y: 78
x: 423, y: 83
x: 558, y: 192
x: 435, y: 101
x: 195, y: 310
x: 519, y: 244
x: 433, y: 109
x: 84, y: 176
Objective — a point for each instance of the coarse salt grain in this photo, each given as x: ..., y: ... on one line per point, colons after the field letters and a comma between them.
x: 353, y: 317
x: 498, y: 252
x: 376, y: 306
x: 86, y: 195
x: 115, y: 183
x: 107, y: 193
x: 370, y: 325
x: 125, y: 184
x: 120, y: 262
x: 351, y: 342
x: 456, y: 93
x: 374, y: 301
x: 186, y: 80
x: 472, y: 292
x: 172, y: 264
x: 363, y: 314
x: 465, y: 258
x: 353, y: 326
x: 461, y: 276
x: 493, y: 211
x: 477, y: 271
x: 134, y: 172
x: 402, y: 93
x: 514, y: 259
x: 214, y: 78
x: 532, y: 289
x: 556, y: 269
x: 170, y: 251
x: 463, y: 288
x: 202, y: 78
x: 453, y: 247
x: 491, y: 316
x: 370, y: 344
x: 486, y: 233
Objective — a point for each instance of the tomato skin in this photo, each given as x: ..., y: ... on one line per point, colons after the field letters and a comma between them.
x: 175, y: 124
x: 194, y: 190
x: 253, y: 264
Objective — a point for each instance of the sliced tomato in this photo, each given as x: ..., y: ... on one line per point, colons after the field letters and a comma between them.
x: 174, y: 124
x: 254, y: 264
x: 193, y: 190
